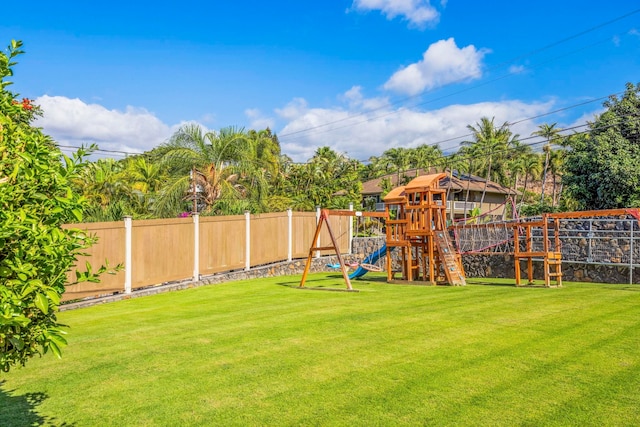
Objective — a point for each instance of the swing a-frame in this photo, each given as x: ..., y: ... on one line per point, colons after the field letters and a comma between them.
x: 325, y: 223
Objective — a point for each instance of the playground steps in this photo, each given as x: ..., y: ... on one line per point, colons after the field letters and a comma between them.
x: 553, y: 268
x: 452, y: 265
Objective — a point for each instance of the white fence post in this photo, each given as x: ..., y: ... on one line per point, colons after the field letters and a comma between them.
x: 290, y: 234
x: 317, y: 222
x: 247, y: 218
x: 631, y: 253
x: 350, y: 230
x: 127, y: 254
x: 196, y: 247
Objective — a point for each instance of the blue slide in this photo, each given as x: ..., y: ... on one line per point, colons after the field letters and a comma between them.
x: 371, y: 259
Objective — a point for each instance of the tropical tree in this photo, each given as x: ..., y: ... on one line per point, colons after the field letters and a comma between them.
x: 551, y: 134
x: 400, y: 158
x: 556, y: 165
x: 533, y: 168
x: 490, y: 146
x: 36, y: 253
x: 261, y: 168
x: 328, y: 179
x: 207, y: 166
x: 144, y: 175
x: 102, y: 182
x: 601, y: 166
x: 425, y: 156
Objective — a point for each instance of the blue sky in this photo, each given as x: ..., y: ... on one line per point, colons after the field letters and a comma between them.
x: 360, y: 76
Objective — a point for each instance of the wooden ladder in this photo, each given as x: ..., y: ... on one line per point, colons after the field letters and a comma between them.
x: 553, y: 268
x: 452, y: 268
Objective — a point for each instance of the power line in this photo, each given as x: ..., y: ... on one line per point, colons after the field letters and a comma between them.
x: 509, y: 61
x: 458, y: 92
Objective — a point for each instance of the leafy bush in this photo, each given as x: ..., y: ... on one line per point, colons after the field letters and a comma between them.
x: 35, y: 252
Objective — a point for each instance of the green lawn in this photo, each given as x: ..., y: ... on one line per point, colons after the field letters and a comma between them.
x: 259, y: 352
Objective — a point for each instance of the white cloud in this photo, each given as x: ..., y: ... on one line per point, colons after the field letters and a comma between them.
x: 73, y: 122
x: 258, y: 120
x: 442, y: 63
x: 516, y: 69
x: 419, y: 13
x: 364, y: 134
x: 356, y: 100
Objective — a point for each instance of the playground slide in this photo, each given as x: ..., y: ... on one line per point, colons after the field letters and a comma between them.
x: 371, y: 259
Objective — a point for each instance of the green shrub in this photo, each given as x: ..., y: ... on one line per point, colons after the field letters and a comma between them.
x: 35, y: 252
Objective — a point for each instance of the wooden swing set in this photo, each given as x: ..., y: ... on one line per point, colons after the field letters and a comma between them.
x: 324, y: 222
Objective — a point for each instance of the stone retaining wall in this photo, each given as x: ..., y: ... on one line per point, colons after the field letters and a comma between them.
x: 285, y: 268
x: 502, y: 266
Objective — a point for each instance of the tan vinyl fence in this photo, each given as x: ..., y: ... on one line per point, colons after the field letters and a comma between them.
x: 165, y: 250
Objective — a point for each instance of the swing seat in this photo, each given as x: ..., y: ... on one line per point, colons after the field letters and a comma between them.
x: 371, y: 267
x: 334, y: 266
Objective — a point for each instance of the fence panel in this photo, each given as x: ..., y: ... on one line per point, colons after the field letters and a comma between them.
x: 303, y: 229
x: 340, y: 229
x: 110, y: 247
x: 269, y: 238
x: 222, y: 243
x: 162, y: 251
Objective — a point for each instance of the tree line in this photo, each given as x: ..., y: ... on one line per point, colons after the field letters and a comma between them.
x: 232, y: 170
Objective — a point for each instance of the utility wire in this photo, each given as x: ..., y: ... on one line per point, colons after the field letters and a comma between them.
x: 500, y: 65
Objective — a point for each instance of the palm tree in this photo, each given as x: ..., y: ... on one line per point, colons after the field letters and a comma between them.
x: 516, y: 167
x: 556, y: 163
x: 208, y: 164
x: 399, y: 158
x: 144, y: 175
x: 450, y: 163
x: 490, y: 145
x: 533, y: 167
x: 102, y: 182
x: 551, y: 134
x: 424, y: 156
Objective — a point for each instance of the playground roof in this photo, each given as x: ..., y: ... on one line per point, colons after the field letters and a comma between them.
x: 421, y: 182
x: 395, y: 194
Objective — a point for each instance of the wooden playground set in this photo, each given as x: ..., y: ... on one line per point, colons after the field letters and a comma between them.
x: 415, y: 224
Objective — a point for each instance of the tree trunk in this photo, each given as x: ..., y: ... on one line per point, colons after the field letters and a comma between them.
x: 553, y: 193
x: 544, y: 175
x: 484, y: 190
x: 524, y: 191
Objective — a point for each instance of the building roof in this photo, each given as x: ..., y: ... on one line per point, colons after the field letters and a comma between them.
x: 459, y: 181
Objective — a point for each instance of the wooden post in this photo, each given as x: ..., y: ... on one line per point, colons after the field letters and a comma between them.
x: 529, y: 248
x: 324, y: 218
x: 516, y: 252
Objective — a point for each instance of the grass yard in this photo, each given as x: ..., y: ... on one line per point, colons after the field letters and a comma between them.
x: 258, y: 353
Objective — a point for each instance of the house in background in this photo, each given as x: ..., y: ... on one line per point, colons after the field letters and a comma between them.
x: 457, y: 185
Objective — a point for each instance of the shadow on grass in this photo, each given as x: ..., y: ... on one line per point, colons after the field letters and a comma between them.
x: 21, y: 410
x: 537, y: 285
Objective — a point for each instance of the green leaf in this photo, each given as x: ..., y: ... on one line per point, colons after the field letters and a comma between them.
x: 42, y: 303
x: 55, y: 349
x: 54, y: 296
x: 77, y: 213
x: 17, y: 342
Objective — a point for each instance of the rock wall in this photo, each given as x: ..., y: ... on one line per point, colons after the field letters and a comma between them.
x: 502, y: 266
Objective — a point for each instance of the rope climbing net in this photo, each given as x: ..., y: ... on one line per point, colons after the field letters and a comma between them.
x: 493, y: 237
x: 482, y: 234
